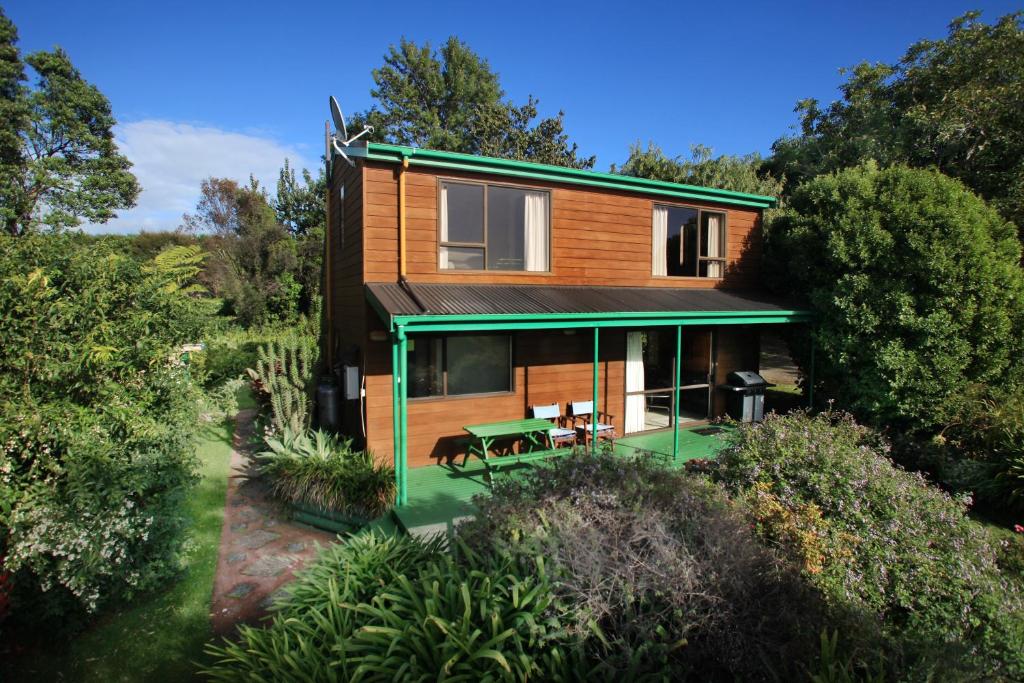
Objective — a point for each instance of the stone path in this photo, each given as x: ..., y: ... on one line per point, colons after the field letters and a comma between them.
x: 260, y: 550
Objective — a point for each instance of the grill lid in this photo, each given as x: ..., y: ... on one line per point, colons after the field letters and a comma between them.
x: 746, y: 378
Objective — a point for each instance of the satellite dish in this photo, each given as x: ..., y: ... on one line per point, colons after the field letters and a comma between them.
x: 340, y: 139
x: 339, y: 118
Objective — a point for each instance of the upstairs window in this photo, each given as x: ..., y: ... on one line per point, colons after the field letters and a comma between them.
x: 688, y: 242
x: 493, y: 227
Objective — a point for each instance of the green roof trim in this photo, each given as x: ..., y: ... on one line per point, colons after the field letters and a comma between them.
x: 375, y: 151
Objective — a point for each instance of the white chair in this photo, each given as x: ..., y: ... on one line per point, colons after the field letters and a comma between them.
x: 560, y: 434
x: 582, y: 414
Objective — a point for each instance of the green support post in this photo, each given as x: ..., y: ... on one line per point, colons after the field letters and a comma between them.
x: 403, y: 403
x: 810, y: 378
x: 593, y: 445
x: 675, y: 392
x: 396, y: 425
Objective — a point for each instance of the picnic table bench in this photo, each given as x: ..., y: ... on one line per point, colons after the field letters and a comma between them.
x: 483, y: 437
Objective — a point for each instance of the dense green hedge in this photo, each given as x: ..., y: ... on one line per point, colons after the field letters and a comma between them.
x: 96, y: 419
x: 917, y: 285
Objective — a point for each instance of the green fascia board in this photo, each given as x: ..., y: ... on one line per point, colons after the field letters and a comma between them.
x: 375, y: 151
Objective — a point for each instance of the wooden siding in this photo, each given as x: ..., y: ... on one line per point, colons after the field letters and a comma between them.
x: 597, y: 237
x: 550, y: 367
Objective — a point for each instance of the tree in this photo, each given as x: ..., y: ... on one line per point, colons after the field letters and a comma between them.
x: 739, y: 174
x: 917, y: 288
x: 301, y: 207
x: 452, y: 100
x: 58, y: 161
x: 254, y: 263
x: 954, y: 104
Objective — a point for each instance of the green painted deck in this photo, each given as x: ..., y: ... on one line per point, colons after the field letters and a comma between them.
x: 441, y: 495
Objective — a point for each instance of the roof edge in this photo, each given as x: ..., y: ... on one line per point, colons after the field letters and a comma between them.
x: 387, y: 153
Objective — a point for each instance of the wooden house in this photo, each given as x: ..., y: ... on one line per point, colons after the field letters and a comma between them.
x: 464, y: 289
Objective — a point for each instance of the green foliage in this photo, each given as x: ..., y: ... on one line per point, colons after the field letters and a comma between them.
x: 952, y: 103
x: 58, y: 161
x: 986, y: 437
x: 266, y: 254
x: 379, y: 608
x: 284, y: 374
x: 739, y: 174
x: 96, y: 435
x: 320, y: 469
x: 917, y: 288
x: 452, y: 100
x: 658, y: 577
x: 915, y: 576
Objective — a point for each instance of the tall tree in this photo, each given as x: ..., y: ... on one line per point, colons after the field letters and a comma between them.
x: 953, y: 103
x: 452, y: 100
x: 739, y: 174
x: 301, y: 206
x: 58, y: 161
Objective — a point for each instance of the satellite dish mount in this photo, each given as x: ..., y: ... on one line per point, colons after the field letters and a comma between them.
x: 339, y: 139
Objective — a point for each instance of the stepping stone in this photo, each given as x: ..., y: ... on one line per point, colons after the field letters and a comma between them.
x: 271, y: 565
x: 249, y: 515
x: 241, y: 590
x: 257, y: 539
x: 235, y: 558
x: 239, y: 526
x: 296, y: 547
x: 270, y: 522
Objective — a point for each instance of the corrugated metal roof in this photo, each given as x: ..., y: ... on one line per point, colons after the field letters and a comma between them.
x: 459, y: 300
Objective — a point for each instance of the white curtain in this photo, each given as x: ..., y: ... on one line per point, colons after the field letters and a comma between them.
x: 714, y: 245
x: 635, y: 404
x: 444, y: 226
x: 659, y: 259
x: 536, y: 229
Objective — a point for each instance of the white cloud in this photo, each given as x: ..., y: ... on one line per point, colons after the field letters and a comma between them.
x: 171, y: 160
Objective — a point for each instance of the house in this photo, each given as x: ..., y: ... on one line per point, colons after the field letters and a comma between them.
x: 465, y: 289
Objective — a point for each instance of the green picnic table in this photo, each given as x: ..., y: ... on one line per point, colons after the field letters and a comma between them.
x: 533, y: 429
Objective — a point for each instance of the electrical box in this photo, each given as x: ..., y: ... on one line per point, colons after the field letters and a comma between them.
x: 350, y: 382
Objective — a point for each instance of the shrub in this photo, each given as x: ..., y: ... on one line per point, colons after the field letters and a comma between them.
x: 379, y: 608
x: 896, y: 550
x: 97, y: 421
x: 917, y: 286
x: 658, y: 576
x: 322, y: 470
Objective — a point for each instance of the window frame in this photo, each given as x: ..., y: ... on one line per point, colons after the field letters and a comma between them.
x: 444, y: 369
x: 712, y: 259
x: 441, y: 180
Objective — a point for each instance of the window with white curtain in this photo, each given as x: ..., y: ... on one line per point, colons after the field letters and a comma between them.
x: 688, y: 242
x: 492, y: 227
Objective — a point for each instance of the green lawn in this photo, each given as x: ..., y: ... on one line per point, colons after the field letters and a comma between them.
x: 156, y: 638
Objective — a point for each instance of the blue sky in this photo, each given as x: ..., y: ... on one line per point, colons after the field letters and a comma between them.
x: 217, y: 88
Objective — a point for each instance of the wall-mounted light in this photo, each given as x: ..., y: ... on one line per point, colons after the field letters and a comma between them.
x: 378, y: 335
x: 568, y: 333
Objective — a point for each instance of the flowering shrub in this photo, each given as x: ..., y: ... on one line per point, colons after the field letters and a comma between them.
x: 894, y: 549
x: 97, y: 421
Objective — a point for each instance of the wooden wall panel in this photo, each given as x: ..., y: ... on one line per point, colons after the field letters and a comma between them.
x: 598, y: 237
x: 738, y: 348
x: 550, y: 367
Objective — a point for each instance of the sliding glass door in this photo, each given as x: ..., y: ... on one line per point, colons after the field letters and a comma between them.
x: 651, y: 373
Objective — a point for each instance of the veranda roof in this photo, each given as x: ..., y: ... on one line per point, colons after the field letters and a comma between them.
x: 440, y: 306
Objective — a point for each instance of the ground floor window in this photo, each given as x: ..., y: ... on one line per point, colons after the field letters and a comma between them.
x: 458, y: 365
